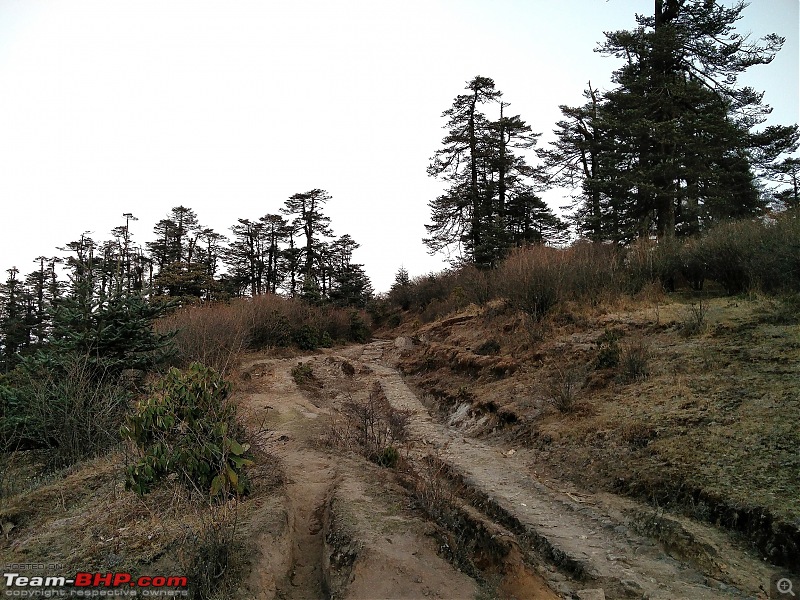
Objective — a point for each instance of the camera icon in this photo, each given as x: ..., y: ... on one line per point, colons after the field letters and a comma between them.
x: 783, y: 586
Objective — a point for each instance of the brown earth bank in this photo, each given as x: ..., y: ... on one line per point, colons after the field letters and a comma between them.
x: 645, y: 452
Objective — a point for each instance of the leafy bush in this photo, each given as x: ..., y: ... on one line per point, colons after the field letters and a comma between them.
x: 187, y: 427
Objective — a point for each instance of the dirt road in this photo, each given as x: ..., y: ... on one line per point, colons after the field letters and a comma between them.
x: 459, y: 517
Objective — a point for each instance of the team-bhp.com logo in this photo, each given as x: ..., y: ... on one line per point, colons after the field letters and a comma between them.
x: 94, y: 585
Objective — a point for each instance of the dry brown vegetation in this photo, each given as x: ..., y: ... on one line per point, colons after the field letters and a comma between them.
x: 701, y: 424
x: 216, y: 334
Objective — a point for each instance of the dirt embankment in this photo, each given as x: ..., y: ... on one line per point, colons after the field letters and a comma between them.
x: 469, y: 503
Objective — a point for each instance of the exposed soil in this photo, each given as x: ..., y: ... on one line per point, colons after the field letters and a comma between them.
x: 435, y: 466
x: 506, y: 530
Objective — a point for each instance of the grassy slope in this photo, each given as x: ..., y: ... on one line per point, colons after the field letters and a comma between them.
x: 711, y: 430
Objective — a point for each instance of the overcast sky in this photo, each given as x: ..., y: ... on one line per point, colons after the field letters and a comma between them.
x: 229, y: 108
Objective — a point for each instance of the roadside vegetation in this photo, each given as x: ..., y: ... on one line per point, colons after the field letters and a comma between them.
x: 655, y: 355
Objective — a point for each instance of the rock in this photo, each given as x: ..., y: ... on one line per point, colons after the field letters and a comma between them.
x: 403, y: 343
x: 595, y: 594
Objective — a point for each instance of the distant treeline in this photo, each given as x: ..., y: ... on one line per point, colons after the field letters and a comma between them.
x: 293, y: 251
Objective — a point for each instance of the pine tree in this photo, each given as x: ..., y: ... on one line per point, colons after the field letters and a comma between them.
x: 458, y: 215
x: 13, y: 334
x: 679, y: 127
x: 350, y: 285
x: 311, y: 222
x: 488, y: 179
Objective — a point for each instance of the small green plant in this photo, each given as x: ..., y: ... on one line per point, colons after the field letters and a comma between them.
x: 302, y: 373
x: 187, y: 427
x: 388, y: 457
x: 608, y: 352
x: 326, y: 341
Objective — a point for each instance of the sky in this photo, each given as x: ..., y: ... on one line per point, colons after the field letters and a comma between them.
x: 109, y: 107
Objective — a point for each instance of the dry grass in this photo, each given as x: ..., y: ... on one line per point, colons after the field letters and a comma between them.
x: 216, y: 335
x: 705, y: 424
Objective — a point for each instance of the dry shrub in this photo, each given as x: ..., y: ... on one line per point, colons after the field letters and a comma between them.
x: 648, y: 261
x: 210, y: 552
x: 564, y: 387
x: 635, y: 360
x: 213, y: 335
x: 70, y: 410
x: 216, y: 334
x: 432, y: 489
x: 593, y: 272
x: 371, y: 427
x: 536, y: 278
x: 694, y: 319
x: 531, y: 279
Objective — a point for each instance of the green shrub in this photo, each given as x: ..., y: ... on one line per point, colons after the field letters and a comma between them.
x: 302, y: 373
x: 359, y: 331
x: 389, y: 457
x: 306, y: 337
x: 61, y: 403
x: 187, y: 427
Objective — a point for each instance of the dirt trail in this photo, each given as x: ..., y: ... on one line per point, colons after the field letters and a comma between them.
x: 592, y: 536
x: 341, y: 532
x: 351, y: 530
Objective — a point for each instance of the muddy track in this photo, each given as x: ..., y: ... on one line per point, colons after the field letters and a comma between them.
x: 352, y: 530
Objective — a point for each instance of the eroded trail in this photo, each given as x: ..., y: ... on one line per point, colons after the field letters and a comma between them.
x: 355, y: 532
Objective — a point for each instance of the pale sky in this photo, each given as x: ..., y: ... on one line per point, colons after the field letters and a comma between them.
x: 229, y: 108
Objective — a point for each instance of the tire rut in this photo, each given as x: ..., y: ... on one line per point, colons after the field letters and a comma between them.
x: 591, y: 541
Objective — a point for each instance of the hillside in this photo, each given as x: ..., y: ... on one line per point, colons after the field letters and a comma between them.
x: 475, y: 456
